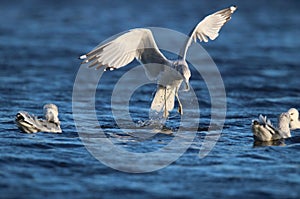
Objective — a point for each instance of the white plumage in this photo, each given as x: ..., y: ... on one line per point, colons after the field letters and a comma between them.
x: 263, y: 130
x: 139, y: 44
x: 295, y: 123
x: 31, y: 124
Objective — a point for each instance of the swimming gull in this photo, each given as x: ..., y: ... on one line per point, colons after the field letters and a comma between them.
x: 263, y: 130
x: 139, y: 44
x: 31, y: 124
x: 295, y: 123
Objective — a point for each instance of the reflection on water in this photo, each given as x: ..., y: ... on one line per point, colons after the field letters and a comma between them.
x: 289, y: 142
x: 269, y: 143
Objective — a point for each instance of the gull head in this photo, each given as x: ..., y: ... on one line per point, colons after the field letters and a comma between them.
x: 294, y: 114
x: 284, y: 123
x: 51, y: 113
x: 182, y: 68
x: 284, y: 118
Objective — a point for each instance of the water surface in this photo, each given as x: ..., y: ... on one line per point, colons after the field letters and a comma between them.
x: 256, y: 53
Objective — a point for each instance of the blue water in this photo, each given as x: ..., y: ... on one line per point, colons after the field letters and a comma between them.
x: 257, y: 54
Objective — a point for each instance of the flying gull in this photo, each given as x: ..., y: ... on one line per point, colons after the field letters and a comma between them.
x: 139, y: 44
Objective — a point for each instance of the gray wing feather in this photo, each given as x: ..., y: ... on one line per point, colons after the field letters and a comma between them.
x: 267, y: 124
x: 31, y: 124
x: 209, y: 27
x: 135, y: 44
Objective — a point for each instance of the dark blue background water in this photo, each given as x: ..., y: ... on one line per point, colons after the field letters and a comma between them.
x: 257, y: 54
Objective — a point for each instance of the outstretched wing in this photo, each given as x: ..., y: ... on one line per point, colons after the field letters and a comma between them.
x: 209, y: 27
x: 135, y: 44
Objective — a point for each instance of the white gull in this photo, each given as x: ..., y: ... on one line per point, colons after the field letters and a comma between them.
x: 139, y: 44
x: 263, y: 130
x: 31, y: 124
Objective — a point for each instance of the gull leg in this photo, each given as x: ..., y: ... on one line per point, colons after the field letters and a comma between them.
x: 180, y: 110
x: 165, y: 108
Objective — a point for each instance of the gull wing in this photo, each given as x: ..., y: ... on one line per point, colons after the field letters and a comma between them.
x: 209, y: 27
x: 135, y: 44
x: 26, y: 122
x: 267, y: 124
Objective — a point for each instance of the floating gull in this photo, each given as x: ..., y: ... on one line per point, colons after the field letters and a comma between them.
x: 139, y: 44
x: 31, y: 124
x: 263, y: 130
x: 295, y: 123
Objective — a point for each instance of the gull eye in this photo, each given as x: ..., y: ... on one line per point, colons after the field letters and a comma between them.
x: 292, y: 113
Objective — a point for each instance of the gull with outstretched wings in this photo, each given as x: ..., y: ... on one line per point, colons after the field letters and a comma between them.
x: 139, y: 44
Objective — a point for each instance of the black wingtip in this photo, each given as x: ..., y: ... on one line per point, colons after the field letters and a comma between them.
x: 19, y: 117
x: 255, y: 122
x: 233, y: 8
